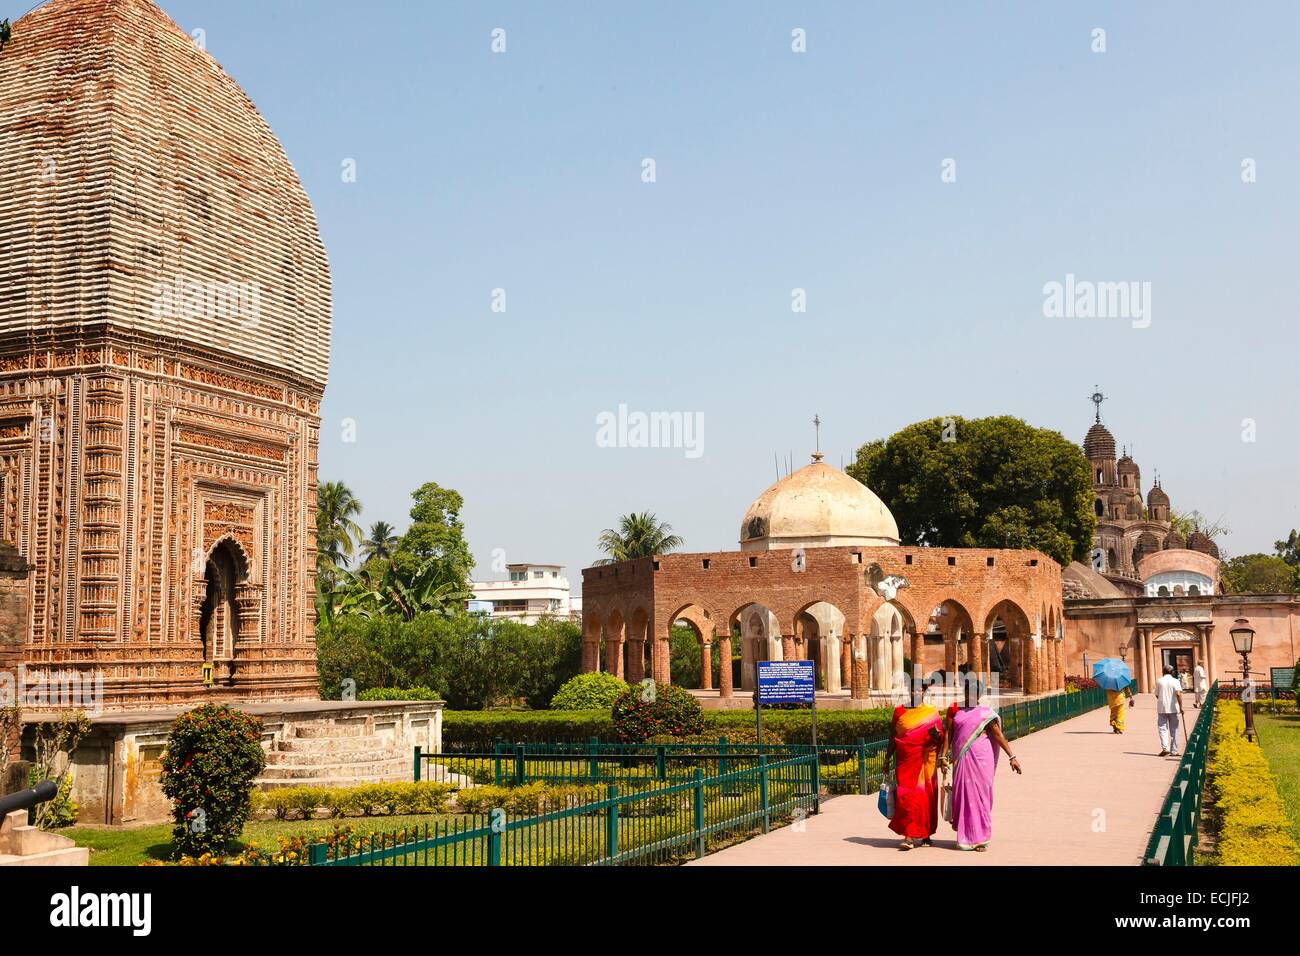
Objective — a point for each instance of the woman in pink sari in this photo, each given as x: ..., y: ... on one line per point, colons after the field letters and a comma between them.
x: 976, y: 736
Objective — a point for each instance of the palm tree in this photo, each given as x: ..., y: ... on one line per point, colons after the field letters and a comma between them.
x: 380, y: 543
x: 638, y: 536
x: 337, y: 531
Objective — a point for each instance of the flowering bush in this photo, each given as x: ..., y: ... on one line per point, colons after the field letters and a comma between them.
x: 213, y: 755
x: 652, y: 710
x: 1075, y: 684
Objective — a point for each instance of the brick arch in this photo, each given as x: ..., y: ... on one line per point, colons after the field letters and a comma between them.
x: 1026, y: 659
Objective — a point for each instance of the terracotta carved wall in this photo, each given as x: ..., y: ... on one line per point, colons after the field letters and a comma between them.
x: 123, y: 471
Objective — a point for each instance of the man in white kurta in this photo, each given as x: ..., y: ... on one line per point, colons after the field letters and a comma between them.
x: 1169, y: 707
x: 1199, y: 684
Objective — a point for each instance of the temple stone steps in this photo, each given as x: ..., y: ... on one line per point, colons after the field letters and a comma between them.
x: 333, y: 755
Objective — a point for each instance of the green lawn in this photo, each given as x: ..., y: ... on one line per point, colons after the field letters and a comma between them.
x: 130, y: 847
x: 1279, y: 736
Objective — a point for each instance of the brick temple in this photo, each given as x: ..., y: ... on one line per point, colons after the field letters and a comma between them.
x: 164, y: 342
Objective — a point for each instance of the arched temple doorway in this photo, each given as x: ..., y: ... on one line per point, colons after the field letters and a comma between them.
x: 219, y: 613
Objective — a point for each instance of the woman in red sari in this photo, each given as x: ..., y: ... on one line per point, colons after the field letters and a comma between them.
x: 917, y: 742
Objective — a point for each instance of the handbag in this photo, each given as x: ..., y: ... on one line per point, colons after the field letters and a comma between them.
x: 945, y: 797
x: 885, y: 802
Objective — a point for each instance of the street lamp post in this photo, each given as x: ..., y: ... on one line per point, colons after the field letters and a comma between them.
x: 1243, y: 640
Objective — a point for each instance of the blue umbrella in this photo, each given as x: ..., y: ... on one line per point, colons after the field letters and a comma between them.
x: 1111, y: 673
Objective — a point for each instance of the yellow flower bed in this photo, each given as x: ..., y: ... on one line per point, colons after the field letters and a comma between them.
x: 1254, y: 829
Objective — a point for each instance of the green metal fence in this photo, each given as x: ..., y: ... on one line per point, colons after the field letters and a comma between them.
x: 1173, y: 841
x: 654, y: 823
x: 853, y: 768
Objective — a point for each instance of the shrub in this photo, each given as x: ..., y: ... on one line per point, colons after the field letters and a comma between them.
x: 594, y: 691
x: 529, y: 800
x: 213, y: 755
x: 656, y: 709
x: 394, y: 693
x: 1076, y: 684
x: 1251, y: 821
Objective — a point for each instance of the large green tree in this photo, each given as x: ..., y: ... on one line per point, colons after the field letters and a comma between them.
x: 435, y: 540
x: 380, y: 543
x: 1259, y: 574
x: 986, y: 482
x: 637, y: 536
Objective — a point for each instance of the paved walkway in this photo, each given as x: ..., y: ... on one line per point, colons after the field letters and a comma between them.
x: 1087, y: 797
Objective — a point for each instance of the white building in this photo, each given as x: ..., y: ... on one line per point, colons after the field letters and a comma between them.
x: 532, y: 592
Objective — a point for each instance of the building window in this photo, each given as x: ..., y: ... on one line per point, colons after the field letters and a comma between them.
x: 1193, y: 591
x: 538, y: 575
x: 1097, y: 507
x: 1163, y: 592
x: 518, y: 575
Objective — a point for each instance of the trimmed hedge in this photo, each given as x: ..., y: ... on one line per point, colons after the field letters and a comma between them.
x: 834, y: 727
x: 1253, y: 828
x: 477, y: 730
x: 396, y: 693
x: 370, y: 799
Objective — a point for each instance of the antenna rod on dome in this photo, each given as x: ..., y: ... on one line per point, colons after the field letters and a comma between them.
x: 776, y: 463
x: 817, y: 424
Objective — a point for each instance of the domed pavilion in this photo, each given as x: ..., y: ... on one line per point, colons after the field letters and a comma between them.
x: 164, y: 344
x: 821, y: 575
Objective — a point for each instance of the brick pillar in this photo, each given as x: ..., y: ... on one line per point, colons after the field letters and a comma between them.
x: 846, y: 661
x: 706, y: 665
x: 787, y: 647
x: 860, y: 676
x: 918, y: 654
x: 663, y: 672
x: 635, y: 660
x: 724, y: 666
x: 590, y: 656
x: 614, y: 656
x: 975, y: 652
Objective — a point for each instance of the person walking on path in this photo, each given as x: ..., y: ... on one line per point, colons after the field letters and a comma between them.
x: 1169, y: 707
x: 1199, y: 684
x: 916, y: 742
x: 976, y: 739
x: 1119, y: 701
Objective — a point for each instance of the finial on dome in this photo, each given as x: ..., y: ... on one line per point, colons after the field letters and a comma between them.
x: 1097, y: 398
x: 817, y: 424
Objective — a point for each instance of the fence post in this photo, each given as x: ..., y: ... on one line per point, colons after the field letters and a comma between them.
x: 762, y: 792
x: 417, y: 763
x: 496, y: 761
x: 611, y: 823
x: 593, y: 748
x: 661, y: 762
x: 521, y: 770
x: 494, y: 839
x: 699, y: 813
x: 316, y: 852
x: 722, y: 756
x: 862, y: 767
x: 816, y: 783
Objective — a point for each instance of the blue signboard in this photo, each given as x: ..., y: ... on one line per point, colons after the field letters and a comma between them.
x: 786, y: 682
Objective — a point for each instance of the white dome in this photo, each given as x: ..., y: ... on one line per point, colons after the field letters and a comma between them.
x: 817, y: 506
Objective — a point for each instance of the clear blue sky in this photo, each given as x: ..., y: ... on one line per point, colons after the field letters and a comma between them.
x: 777, y: 170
